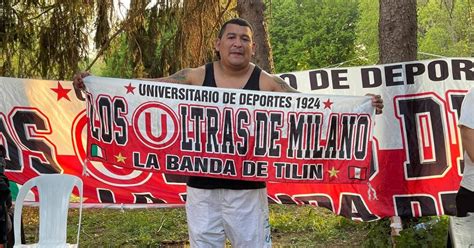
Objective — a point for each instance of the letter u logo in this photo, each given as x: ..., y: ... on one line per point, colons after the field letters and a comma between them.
x: 162, y: 130
x: 156, y: 125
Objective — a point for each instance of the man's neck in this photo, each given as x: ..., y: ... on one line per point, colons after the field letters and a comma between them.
x: 233, y: 71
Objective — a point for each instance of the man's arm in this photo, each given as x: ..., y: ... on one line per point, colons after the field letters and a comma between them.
x: 467, y: 136
x: 181, y: 77
x: 282, y: 86
x: 194, y: 76
x: 274, y: 83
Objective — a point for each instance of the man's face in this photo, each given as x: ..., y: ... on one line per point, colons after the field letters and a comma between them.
x: 236, y: 47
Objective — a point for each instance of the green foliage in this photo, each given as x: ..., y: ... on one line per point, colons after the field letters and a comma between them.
x: 116, y: 61
x: 367, y: 48
x: 417, y: 232
x: 442, y: 30
x: 43, y: 39
x: 424, y: 232
x: 131, y: 228
x: 378, y: 234
x: 309, y: 34
x: 305, y: 225
x: 446, y: 31
x: 291, y: 225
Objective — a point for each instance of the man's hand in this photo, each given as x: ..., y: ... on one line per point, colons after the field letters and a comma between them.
x: 377, y: 102
x: 78, y: 84
x: 77, y: 80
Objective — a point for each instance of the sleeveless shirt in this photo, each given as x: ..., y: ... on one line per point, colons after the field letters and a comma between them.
x: 220, y: 183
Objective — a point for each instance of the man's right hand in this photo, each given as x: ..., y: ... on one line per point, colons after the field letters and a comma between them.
x: 78, y: 84
x: 77, y: 80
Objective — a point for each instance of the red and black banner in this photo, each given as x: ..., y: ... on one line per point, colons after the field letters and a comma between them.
x: 414, y: 168
x: 234, y: 134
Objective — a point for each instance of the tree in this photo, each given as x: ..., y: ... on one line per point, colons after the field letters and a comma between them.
x: 397, y: 31
x: 443, y: 29
x: 254, y: 12
x: 446, y: 29
x: 308, y: 34
x: 50, y: 38
x: 367, y: 42
x: 43, y: 38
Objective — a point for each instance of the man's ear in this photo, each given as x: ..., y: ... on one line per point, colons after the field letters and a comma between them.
x: 217, y: 44
x: 254, y: 48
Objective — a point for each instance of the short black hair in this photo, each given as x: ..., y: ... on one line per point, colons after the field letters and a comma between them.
x: 3, y: 152
x: 237, y: 21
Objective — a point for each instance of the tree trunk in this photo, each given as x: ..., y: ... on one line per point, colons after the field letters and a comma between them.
x: 397, y: 31
x: 253, y: 11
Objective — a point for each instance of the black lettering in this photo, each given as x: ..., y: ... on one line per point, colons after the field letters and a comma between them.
x: 291, y: 79
x: 417, y: 166
x: 172, y: 162
x: 412, y: 70
x: 248, y: 169
x: 261, y: 134
x: 14, y: 156
x: 337, y: 79
x: 229, y: 168
x: 404, y: 206
x: 362, y: 137
x: 120, y: 108
x: 146, y: 198
x: 275, y: 121
x: 345, y: 147
x: 197, y: 116
x: 331, y: 141
x: 316, y: 200
x: 212, y: 144
x: 448, y: 201
x: 313, y: 79
x: 105, y: 196
x: 92, y: 117
x: 390, y: 75
x: 377, y: 77
x: 295, y: 136
x: 105, y: 114
x: 186, y: 143
x: 443, y: 70
x: 279, y: 169
x: 353, y: 207
x: 28, y: 123
x: 228, y: 133
x: 465, y: 66
x: 242, y: 131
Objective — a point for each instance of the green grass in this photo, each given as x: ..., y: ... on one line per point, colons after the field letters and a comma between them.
x: 292, y: 226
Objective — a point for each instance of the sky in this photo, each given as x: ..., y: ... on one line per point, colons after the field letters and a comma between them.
x: 121, y: 7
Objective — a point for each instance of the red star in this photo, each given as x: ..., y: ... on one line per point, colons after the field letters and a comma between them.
x: 130, y: 88
x: 62, y: 92
x: 327, y: 104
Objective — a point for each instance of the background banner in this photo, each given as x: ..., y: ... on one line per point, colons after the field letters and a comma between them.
x: 415, y: 168
x: 226, y: 133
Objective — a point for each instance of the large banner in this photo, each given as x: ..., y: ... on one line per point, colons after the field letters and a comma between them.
x: 415, y: 167
x: 226, y: 133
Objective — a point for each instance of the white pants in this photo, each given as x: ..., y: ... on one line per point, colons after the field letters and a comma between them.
x: 240, y: 215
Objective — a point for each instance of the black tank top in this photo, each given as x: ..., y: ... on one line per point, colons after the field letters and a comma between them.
x: 219, y: 183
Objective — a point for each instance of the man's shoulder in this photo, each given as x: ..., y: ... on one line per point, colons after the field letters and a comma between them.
x: 267, y: 81
x: 270, y: 82
x: 196, y: 75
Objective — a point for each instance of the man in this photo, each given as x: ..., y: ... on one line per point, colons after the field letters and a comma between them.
x: 220, y: 208
x: 465, y: 195
x: 5, y: 201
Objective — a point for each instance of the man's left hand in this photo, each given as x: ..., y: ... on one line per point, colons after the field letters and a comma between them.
x: 377, y: 102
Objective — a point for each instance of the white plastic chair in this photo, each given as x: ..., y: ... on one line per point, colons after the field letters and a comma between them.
x: 54, y: 191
